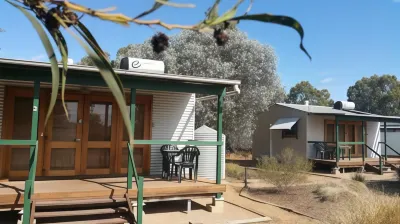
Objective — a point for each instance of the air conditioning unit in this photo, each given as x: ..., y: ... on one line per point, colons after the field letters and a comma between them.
x: 138, y: 64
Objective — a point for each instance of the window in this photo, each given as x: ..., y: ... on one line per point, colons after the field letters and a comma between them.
x: 291, y: 133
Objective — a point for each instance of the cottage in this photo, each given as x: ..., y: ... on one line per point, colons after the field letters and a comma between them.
x: 338, y: 136
x: 88, y: 151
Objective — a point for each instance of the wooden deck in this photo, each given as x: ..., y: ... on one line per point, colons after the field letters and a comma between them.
x: 354, y: 162
x: 12, y: 192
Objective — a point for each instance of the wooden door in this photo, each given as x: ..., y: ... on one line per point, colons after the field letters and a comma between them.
x: 17, y: 125
x: 348, y: 132
x: 99, y: 134
x: 142, y: 132
x: 63, y: 138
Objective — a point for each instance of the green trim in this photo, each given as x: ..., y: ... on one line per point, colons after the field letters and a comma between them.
x: 17, y: 142
x: 365, y: 118
x: 87, y: 78
x: 337, y: 141
x: 131, y: 161
x: 351, y: 143
x: 27, y: 202
x: 168, y: 142
x: 219, y: 138
x: 30, y: 183
x: 139, y: 218
x: 384, y: 137
x: 363, y: 139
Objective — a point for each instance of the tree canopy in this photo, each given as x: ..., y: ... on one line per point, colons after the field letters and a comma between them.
x: 191, y: 53
x: 304, y: 91
x: 376, y: 94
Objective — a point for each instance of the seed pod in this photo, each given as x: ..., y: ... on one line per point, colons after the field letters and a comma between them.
x: 221, y: 36
x: 71, y: 16
x: 51, y: 22
x: 160, y: 42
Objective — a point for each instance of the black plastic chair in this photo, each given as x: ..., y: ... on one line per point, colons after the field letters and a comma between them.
x: 168, y: 153
x: 322, y: 148
x: 190, y: 159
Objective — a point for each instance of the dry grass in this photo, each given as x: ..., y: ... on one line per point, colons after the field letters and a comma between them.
x: 285, y: 170
x: 234, y: 171
x: 373, y: 208
x: 358, y: 177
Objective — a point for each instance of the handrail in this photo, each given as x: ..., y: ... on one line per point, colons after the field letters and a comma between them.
x: 389, y: 148
x: 17, y: 142
x: 139, y: 184
x: 132, y: 163
x: 380, y: 159
x: 321, y: 142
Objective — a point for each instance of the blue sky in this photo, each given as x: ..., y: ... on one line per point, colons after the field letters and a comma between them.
x: 348, y: 39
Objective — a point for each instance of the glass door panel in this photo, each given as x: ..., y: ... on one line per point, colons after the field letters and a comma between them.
x: 141, y: 153
x: 98, y: 150
x: 22, y: 124
x: 63, y: 138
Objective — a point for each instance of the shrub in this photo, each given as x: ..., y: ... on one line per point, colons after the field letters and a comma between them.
x: 398, y: 173
x: 358, y: 177
x: 234, y: 171
x: 328, y: 193
x: 285, y: 170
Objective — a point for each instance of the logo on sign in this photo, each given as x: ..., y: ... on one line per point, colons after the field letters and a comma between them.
x: 136, y: 64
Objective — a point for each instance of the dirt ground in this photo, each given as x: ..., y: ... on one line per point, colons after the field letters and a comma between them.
x: 305, y: 199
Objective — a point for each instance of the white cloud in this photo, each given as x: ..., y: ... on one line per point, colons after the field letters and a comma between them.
x: 327, y: 80
x: 38, y: 57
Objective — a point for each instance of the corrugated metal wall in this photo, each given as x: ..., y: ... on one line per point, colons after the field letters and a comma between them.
x: 173, y: 119
x: 208, y: 154
x: 2, y: 90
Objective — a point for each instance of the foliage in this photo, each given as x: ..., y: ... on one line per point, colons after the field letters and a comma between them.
x: 376, y: 94
x: 329, y: 192
x: 89, y: 62
x: 303, y: 91
x: 56, y: 14
x: 358, y: 177
x: 284, y: 170
x: 195, y: 54
x: 234, y: 171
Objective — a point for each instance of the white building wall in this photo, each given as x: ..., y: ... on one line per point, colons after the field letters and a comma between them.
x: 316, y: 131
x: 172, y: 119
x: 208, y: 154
x: 373, y: 138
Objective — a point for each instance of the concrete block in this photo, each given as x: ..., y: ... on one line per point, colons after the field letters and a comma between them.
x: 335, y: 170
x: 217, y: 205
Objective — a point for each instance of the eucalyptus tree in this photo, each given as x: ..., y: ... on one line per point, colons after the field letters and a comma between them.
x: 53, y: 15
x: 241, y: 58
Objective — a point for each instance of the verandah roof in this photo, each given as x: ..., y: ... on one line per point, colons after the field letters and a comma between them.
x: 12, y: 69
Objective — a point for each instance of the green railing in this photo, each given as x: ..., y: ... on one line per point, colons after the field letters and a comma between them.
x: 380, y: 159
x: 388, y: 146
x: 139, y: 184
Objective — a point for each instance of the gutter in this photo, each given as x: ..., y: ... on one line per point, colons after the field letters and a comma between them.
x: 143, y: 74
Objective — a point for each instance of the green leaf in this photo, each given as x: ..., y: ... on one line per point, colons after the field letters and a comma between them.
x: 227, y: 15
x: 62, y: 46
x: 50, y: 53
x: 281, y: 20
x: 85, y: 33
x: 213, y: 13
x: 106, y: 72
x: 156, y: 6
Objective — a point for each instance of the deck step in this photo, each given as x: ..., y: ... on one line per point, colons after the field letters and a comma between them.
x: 376, y: 169
x: 80, y: 203
x: 102, y: 211
x: 102, y: 221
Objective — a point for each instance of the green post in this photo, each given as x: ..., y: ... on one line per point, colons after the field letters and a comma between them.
x: 130, y: 162
x: 363, y: 140
x: 337, y: 141
x: 30, y: 183
x: 219, y: 137
x: 139, y: 218
x: 384, y: 136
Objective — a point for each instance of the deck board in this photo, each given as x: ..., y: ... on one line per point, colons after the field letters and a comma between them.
x: 11, y: 193
x: 354, y: 162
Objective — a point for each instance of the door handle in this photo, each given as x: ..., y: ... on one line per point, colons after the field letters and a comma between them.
x: 77, y: 139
